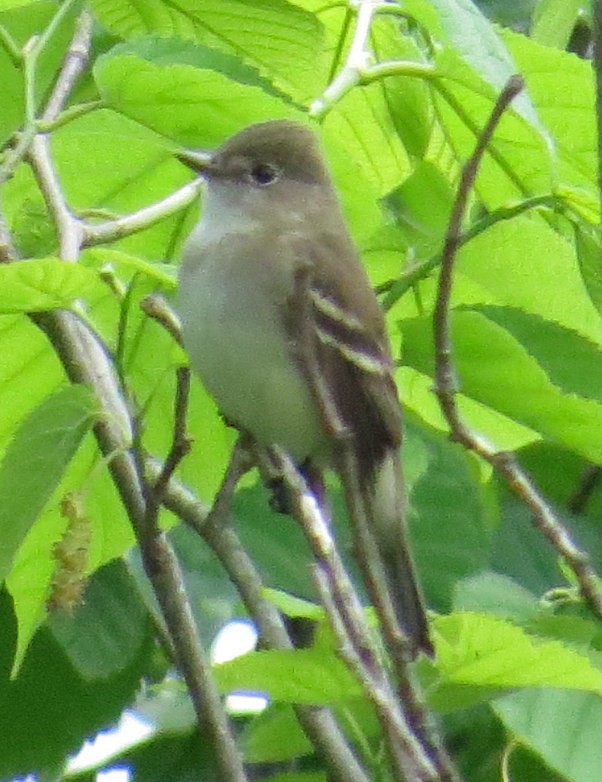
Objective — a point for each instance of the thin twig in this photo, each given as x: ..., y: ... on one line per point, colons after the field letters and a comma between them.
x: 590, y: 481
x: 544, y: 517
x: 8, y: 251
x: 88, y: 362
x: 181, y: 442
x: 156, y: 307
x: 356, y: 640
x: 215, y: 527
x: 74, y: 63
x: 358, y: 67
x: 117, y: 228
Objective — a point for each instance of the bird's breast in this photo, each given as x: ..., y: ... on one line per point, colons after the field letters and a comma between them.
x: 231, y: 307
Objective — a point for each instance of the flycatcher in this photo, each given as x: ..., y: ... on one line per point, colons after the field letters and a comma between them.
x: 271, y: 212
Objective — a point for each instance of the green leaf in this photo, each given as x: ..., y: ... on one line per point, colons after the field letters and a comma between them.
x: 570, y: 361
x: 181, y: 757
x: 495, y: 594
x: 29, y: 371
x: 194, y: 106
x: 447, y: 503
x: 482, y: 650
x: 554, y: 20
x: 562, y: 727
x: 362, y: 124
x: 587, y: 245
x: 477, y: 42
x: 416, y: 394
x: 574, y: 630
x: 423, y: 205
x: 162, y: 273
x: 294, y: 607
x: 275, y: 735
x: 492, y: 270
x: 48, y: 711
x: 561, y: 85
x: 290, y: 676
x: 103, y: 635
x: 164, y: 52
x: 518, y: 160
x: 497, y: 370
x: 521, y: 552
x: 280, y: 39
x: 474, y: 39
x: 408, y: 98
x: 36, y: 458
x: 43, y: 284
x: 24, y: 19
x: 5, y: 5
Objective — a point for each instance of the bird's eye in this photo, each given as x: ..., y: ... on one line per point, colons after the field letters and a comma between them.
x: 264, y: 174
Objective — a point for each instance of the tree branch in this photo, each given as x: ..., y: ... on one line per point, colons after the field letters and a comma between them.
x: 356, y: 641
x: 125, y: 225
x: 215, y: 527
x: 87, y: 361
x: 431, y: 754
x: 446, y: 386
x: 358, y: 67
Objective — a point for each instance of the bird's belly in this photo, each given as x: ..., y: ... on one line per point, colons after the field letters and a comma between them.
x: 243, y: 363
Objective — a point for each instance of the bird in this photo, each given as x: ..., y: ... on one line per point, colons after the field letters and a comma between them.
x: 271, y: 217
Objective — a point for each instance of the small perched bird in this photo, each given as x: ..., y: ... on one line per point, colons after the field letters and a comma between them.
x: 270, y: 213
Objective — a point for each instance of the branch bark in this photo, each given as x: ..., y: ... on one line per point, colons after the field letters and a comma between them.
x: 87, y: 361
x: 446, y: 385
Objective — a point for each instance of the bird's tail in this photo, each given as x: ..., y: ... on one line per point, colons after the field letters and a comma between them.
x: 388, y: 511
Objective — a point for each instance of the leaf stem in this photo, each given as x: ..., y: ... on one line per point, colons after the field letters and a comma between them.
x: 396, y: 288
x: 69, y: 114
x: 11, y: 46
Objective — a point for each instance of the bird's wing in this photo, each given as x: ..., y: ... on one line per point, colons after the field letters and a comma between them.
x: 335, y: 315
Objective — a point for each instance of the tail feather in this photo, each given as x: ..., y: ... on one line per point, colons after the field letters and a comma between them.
x: 388, y: 511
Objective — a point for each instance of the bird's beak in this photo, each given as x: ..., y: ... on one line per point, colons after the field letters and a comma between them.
x: 198, y: 160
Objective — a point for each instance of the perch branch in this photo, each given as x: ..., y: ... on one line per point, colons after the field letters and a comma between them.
x: 356, y: 640
x: 86, y: 361
x: 544, y: 517
x: 215, y: 527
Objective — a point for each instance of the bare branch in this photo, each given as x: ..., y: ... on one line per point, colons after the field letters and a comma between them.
x: 215, y: 527
x: 358, y: 67
x: 356, y: 640
x: 74, y: 63
x: 181, y: 442
x: 87, y: 361
x: 155, y: 306
x: 544, y: 517
x: 119, y: 227
x: 8, y: 251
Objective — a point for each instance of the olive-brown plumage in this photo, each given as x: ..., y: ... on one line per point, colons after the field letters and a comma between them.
x: 270, y: 211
